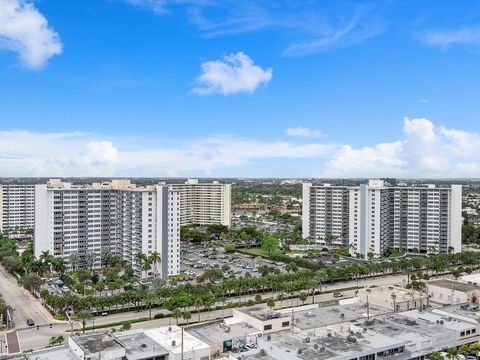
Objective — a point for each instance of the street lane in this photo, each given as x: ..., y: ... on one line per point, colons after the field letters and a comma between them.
x: 25, y: 305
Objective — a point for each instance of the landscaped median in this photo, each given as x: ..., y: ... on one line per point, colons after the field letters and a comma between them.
x: 127, y: 323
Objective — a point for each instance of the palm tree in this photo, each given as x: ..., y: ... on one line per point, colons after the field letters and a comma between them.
x: 59, y: 265
x: 316, y: 281
x: 452, y: 353
x: 176, y: 313
x: 90, y: 259
x: 74, y: 261
x: 150, y: 298
x: 198, y: 304
x: 187, y: 316
x: 155, y: 258
x: 84, y: 316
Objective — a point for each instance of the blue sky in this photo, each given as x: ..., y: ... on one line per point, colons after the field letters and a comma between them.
x: 288, y: 88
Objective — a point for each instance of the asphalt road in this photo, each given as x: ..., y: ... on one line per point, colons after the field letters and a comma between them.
x: 25, y: 305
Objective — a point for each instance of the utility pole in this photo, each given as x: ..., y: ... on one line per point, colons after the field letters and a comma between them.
x: 182, y: 345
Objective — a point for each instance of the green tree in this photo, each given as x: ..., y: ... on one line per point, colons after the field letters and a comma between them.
x: 435, y: 356
x: 303, y: 297
x: 187, y: 315
x: 269, y: 244
x: 84, y: 316
x: 150, y: 299
x: 198, y: 304
x: 176, y: 313
x: 271, y: 303
x: 30, y: 282
x: 126, y: 326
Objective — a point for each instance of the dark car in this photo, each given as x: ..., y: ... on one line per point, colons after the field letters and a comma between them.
x: 30, y: 322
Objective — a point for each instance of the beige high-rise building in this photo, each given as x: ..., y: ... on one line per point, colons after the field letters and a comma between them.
x: 204, y: 203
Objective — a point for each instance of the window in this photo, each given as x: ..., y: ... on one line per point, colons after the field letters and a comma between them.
x: 267, y: 327
x: 285, y: 323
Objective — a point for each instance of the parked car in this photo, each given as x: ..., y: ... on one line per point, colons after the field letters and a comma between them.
x: 337, y: 294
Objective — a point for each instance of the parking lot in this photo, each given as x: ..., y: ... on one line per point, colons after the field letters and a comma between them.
x: 197, y: 259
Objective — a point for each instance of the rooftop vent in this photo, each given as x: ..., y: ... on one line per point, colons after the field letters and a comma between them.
x: 174, y: 343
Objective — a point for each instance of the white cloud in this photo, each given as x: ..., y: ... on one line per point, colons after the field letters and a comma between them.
x: 303, y: 132
x: 463, y: 36
x: 24, y: 30
x: 425, y: 150
x: 235, y: 73
x: 25, y: 153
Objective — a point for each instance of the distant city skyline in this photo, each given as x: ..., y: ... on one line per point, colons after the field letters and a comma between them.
x: 206, y: 88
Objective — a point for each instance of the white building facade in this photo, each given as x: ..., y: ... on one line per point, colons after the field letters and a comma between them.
x: 114, y: 218
x: 17, y: 208
x: 204, y: 203
x: 427, y: 219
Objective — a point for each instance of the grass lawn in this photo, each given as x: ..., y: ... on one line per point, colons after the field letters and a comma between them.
x: 254, y: 251
x: 396, y: 253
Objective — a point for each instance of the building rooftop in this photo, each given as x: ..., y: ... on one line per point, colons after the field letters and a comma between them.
x: 346, y: 311
x: 466, y: 311
x: 53, y: 353
x: 217, y: 331
x: 98, y: 342
x: 170, y: 338
x: 454, y: 284
x: 343, y: 345
x: 140, y: 346
x: 261, y: 312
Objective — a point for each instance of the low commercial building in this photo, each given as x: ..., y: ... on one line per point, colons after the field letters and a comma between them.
x: 394, y: 298
x: 179, y: 343
x: 227, y: 335
x: 447, y: 291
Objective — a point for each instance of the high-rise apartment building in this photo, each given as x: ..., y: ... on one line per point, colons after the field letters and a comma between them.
x: 204, y: 203
x: 410, y: 218
x: 114, y: 218
x: 325, y: 214
x: 17, y: 209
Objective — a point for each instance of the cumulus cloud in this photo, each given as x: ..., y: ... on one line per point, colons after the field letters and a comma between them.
x: 25, y: 31
x: 25, y: 153
x: 303, y: 132
x: 234, y: 73
x: 425, y: 150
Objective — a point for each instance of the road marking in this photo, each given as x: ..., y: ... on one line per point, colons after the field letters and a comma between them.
x: 13, y: 343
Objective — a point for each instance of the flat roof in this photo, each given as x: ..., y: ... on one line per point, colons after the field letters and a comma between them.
x: 214, y: 333
x: 170, y: 338
x: 335, y: 314
x: 140, y: 346
x: 54, y: 353
x: 260, y: 311
x: 94, y: 343
x: 464, y: 310
x: 285, y: 346
x: 453, y: 284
